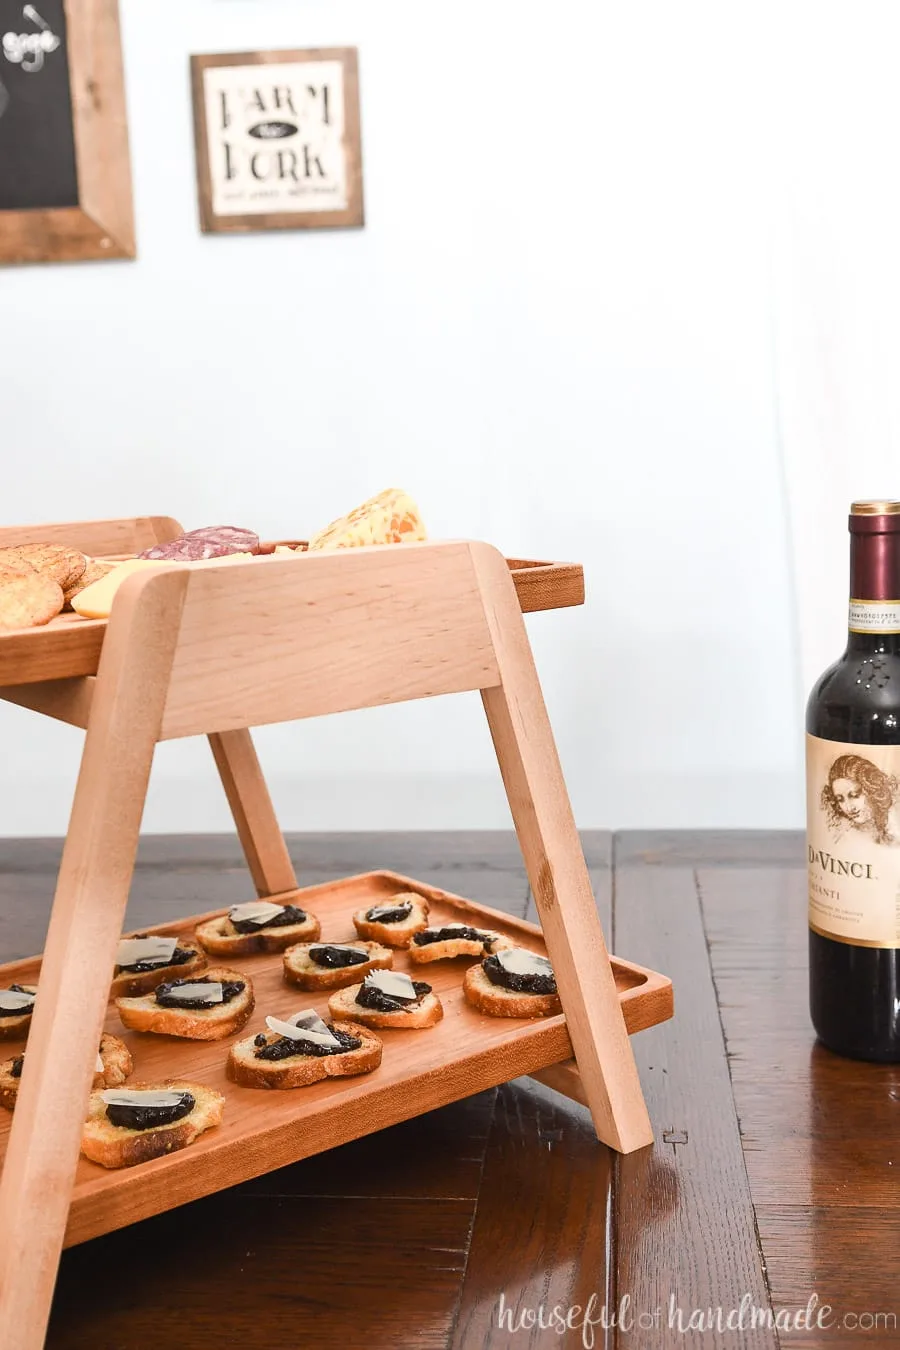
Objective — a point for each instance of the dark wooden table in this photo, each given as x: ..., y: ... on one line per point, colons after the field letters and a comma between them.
x: 775, y: 1177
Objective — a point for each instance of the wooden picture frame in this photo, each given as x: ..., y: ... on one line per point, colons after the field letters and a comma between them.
x: 276, y: 182
x: 101, y: 225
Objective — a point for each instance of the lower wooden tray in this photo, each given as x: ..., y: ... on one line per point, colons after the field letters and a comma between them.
x: 421, y: 1070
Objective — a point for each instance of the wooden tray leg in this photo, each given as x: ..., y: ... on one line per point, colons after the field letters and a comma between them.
x: 563, y: 1078
x: 85, y: 925
x: 559, y: 879
x: 254, y: 815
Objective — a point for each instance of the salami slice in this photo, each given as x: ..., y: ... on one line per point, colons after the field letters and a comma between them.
x: 214, y: 541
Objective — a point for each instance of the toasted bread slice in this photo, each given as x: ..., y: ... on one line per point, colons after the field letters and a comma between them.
x: 117, y: 1062
x: 117, y: 1065
x: 451, y: 947
x: 129, y: 984
x: 115, y: 1146
x: 498, y: 1001
x: 16, y: 1028
x: 300, y: 1070
x: 393, y: 934
x: 193, y: 1024
x: 10, y: 1071
x: 219, y: 936
x: 426, y: 1013
x: 301, y: 970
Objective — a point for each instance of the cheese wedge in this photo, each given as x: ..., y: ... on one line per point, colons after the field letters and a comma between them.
x: 390, y: 518
x: 95, y: 601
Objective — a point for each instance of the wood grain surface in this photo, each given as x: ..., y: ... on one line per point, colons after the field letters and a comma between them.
x: 254, y: 815
x: 275, y: 639
x: 82, y: 937
x: 464, y: 1053
x: 691, y: 1189
x: 557, y: 870
x: 547, y: 585
x: 505, y: 1191
x: 217, y: 648
x: 555, y: 1250
x: 102, y: 225
x: 125, y: 535
x: 351, y: 215
x: 821, y: 1134
x: 69, y: 646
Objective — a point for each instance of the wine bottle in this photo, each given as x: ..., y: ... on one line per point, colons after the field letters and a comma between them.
x: 853, y: 807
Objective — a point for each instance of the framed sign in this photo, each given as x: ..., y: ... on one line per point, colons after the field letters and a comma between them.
x: 277, y: 139
x: 65, y: 176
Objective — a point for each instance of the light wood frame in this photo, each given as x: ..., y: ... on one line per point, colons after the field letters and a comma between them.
x: 351, y: 216
x: 102, y: 225
x: 214, y: 648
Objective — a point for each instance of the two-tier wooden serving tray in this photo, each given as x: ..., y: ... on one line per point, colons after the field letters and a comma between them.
x: 213, y: 649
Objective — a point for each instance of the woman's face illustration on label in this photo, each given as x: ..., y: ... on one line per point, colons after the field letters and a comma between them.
x: 851, y: 801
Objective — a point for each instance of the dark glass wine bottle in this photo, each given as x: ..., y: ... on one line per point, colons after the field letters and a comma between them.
x: 853, y: 807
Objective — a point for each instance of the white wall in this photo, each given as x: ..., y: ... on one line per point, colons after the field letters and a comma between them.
x: 555, y: 330
x: 837, y: 291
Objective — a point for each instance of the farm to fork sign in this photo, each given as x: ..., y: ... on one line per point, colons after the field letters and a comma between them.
x: 277, y: 136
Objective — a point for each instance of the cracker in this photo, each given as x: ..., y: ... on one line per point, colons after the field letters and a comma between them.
x: 77, y: 567
x: 28, y: 601
x: 60, y: 564
x: 94, y: 570
x: 14, y: 567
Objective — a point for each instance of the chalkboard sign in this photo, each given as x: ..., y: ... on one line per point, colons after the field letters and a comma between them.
x: 37, y: 134
x: 65, y: 182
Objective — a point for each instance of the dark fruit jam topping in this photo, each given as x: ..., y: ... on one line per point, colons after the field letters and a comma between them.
x: 286, y: 1046
x: 335, y: 958
x: 15, y: 1069
x: 370, y: 996
x: 461, y: 934
x: 150, y: 1117
x: 395, y: 915
x: 16, y: 1012
x: 179, y: 957
x: 519, y: 984
x: 288, y: 916
x: 166, y: 994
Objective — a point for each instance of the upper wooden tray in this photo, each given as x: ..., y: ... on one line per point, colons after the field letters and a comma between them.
x: 69, y: 646
x: 465, y: 1053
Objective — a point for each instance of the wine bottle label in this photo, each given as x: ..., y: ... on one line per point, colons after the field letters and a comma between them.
x: 853, y: 841
x: 874, y: 616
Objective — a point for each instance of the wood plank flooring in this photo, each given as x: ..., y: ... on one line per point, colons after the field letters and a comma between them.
x: 775, y: 1174
x: 821, y: 1134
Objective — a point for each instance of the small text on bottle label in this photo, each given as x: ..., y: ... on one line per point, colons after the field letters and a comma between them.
x: 874, y: 616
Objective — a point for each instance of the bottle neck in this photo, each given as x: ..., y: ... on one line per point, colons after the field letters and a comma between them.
x: 873, y: 644
x: 874, y: 585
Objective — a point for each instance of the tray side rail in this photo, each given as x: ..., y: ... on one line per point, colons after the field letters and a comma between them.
x: 275, y: 640
x: 98, y: 538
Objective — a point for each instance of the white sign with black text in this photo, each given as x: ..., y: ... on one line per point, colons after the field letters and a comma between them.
x: 275, y: 138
